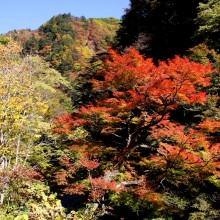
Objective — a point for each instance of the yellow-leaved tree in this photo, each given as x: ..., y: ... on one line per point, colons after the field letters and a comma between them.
x: 25, y: 112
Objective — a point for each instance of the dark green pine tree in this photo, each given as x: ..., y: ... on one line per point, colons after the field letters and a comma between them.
x: 159, y: 28
x: 209, y: 24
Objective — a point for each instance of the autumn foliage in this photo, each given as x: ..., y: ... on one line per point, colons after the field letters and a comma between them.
x: 113, y: 135
x: 127, y: 142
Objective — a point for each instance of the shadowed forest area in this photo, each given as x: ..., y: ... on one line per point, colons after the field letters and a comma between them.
x: 107, y: 119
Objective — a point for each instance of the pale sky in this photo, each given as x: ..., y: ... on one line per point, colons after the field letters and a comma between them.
x: 22, y: 14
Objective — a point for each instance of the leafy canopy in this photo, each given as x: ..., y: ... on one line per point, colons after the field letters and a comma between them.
x: 127, y: 145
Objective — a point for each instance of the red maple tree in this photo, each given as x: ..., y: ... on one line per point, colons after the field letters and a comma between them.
x: 130, y: 142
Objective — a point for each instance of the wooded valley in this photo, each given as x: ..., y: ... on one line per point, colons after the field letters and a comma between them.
x: 113, y: 119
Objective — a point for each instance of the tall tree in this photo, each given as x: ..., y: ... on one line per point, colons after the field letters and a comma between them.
x: 24, y: 120
x: 126, y: 147
x: 209, y: 23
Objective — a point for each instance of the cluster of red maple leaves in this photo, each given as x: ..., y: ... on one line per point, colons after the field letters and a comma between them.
x: 128, y: 140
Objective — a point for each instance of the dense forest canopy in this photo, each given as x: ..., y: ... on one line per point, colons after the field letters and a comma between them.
x: 113, y: 119
x: 165, y: 27
x: 68, y: 42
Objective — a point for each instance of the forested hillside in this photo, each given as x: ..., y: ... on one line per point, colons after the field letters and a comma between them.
x: 68, y: 42
x: 108, y: 119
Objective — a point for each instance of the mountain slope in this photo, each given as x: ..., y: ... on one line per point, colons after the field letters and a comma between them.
x: 68, y: 42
